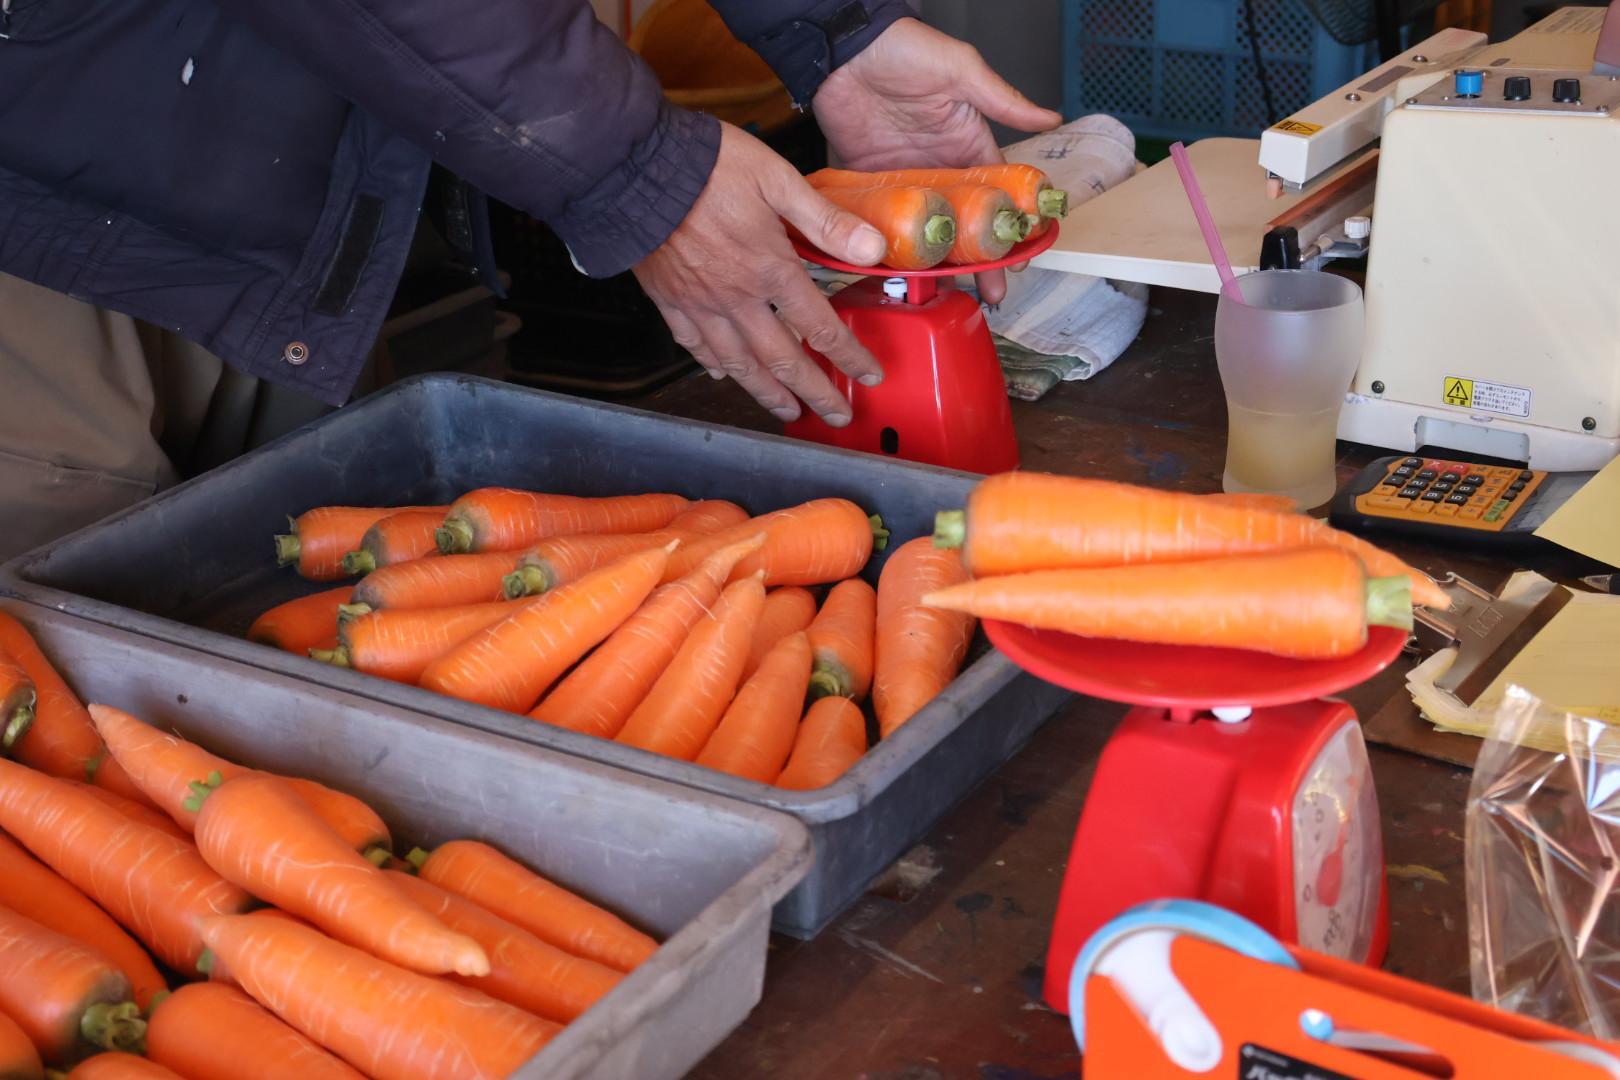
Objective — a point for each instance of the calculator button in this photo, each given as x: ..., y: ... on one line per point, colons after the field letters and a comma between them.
x: 1427, y: 474
x: 1433, y: 496
x: 1508, y: 496
x: 1442, y: 487
x: 1382, y: 501
x: 1467, y: 489
x: 1451, y: 477
x: 1444, y: 510
x: 1473, y: 478
x: 1410, y: 492
x: 1516, y: 487
x: 1457, y: 500
x: 1412, y: 462
x: 1420, y: 508
x: 1495, y: 512
x: 1391, y: 481
x: 1470, y: 512
x: 1404, y: 470
x: 1527, y: 476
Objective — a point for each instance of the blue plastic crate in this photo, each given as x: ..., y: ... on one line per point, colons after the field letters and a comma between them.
x: 1184, y: 69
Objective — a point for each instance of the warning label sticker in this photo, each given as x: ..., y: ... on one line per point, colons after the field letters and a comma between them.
x: 1481, y: 396
x: 1296, y: 127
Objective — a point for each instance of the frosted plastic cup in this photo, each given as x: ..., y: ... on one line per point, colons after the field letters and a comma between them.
x: 1286, y: 355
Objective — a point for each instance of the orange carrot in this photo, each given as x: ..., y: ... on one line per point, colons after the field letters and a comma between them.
x: 562, y: 559
x: 1029, y: 187
x: 388, y: 1022
x: 121, y: 1066
x: 154, y: 885
x: 1022, y: 521
x: 399, y: 644
x: 756, y: 734
x: 814, y: 543
x: 988, y: 223
x: 257, y: 833
x: 680, y: 712
x: 523, y: 970
x: 506, y: 519
x: 32, y: 889
x: 708, y: 516
x: 787, y: 611
x: 599, y: 695
x: 173, y: 773
x: 17, y: 698
x: 209, y: 1031
x: 300, y: 625
x: 440, y: 581
x: 318, y: 539
x: 69, y: 998
x: 1313, y: 603
x: 395, y: 539
x: 841, y: 640
x: 18, y: 1058
x: 133, y: 810
x: 509, y: 665
x: 831, y: 738
x: 479, y: 873
x: 1254, y: 500
x: 215, y: 968
x: 916, y: 222
x: 918, y: 649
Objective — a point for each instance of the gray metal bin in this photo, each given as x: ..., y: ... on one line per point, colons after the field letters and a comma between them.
x: 193, y: 566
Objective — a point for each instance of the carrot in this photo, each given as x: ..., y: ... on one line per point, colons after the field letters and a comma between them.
x: 680, y: 712
x: 1311, y: 603
x: 477, y: 872
x: 814, y: 543
x: 133, y: 810
x: 175, y: 774
x: 17, y: 699
x: 388, y: 1022
x: 216, y: 970
x: 32, y: 889
x: 121, y: 1066
x: 154, y: 885
x: 523, y: 970
x: 400, y: 644
x: 506, y: 519
x: 708, y: 516
x: 69, y: 998
x: 18, y: 1058
x: 831, y: 738
x: 209, y: 1031
x: 918, y: 649
x: 1254, y: 500
x: 916, y: 222
x: 1020, y: 521
x: 1030, y: 189
x: 510, y: 664
x: 599, y: 695
x: 756, y: 734
x: 396, y: 538
x: 318, y: 539
x: 988, y: 223
x: 257, y: 833
x: 562, y: 559
x: 841, y: 640
x: 300, y: 625
x: 441, y: 581
x: 787, y: 611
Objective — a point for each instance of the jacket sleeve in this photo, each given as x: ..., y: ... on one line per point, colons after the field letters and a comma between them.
x: 804, y: 41
x: 534, y: 101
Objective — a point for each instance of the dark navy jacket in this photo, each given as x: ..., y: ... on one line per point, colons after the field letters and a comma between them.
x: 249, y: 173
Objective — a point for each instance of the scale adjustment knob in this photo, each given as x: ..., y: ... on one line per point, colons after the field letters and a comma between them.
x: 1469, y: 84
x: 1567, y: 91
x: 1516, y: 88
x: 894, y: 288
x: 1358, y: 228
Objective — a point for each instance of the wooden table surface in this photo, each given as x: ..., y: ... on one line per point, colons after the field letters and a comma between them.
x: 935, y: 974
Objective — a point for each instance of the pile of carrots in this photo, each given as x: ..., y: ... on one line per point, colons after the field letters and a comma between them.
x: 746, y: 644
x: 168, y: 914
x: 955, y: 217
x: 1117, y: 561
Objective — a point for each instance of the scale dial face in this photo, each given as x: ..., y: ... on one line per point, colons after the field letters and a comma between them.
x: 1337, y: 849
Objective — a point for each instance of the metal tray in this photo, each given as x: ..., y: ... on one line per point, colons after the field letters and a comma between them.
x: 193, y: 566
x: 699, y: 872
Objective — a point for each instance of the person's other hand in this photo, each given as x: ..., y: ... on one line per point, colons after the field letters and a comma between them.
x: 917, y: 98
x: 729, y: 263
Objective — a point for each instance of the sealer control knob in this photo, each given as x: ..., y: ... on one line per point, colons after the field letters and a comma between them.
x: 1516, y: 88
x: 1470, y: 84
x: 1358, y: 228
x: 1567, y: 91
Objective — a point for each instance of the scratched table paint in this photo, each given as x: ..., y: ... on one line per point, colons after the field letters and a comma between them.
x: 935, y: 974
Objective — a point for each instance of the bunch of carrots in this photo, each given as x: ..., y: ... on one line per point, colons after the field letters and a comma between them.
x: 957, y: 217
x: 690, y: 629
x: 224, y: 923
x: 1117, y: 561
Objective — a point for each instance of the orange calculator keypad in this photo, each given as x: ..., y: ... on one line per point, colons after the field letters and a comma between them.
x: 1483, y: 497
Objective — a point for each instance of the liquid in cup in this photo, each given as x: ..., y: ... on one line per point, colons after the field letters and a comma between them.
x: 1286, y: 358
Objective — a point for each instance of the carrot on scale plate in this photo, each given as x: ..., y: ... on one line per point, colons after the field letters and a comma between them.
x: 1029, y: 188
x: 831, y: 738
x: 841, y: 641
x: 507, y: 519
x: 317, y: 539
x: 210, y: 1031
x: 918, y: 649
x: 69, y: 998
x: 309, y: 622
x: 988, y: 223
x: 397, y: 538
x: 916, y: 222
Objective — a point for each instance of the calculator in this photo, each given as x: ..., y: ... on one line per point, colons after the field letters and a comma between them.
x: 1453, y: 498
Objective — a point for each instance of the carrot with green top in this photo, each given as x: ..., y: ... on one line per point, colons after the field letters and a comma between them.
x: 386, y: 1021
x: 498, y: 884
x: 916, y: 222
x: 1031, y: 189
x: 439, y: 581
x: 317, y: 539
x: 918, y: 649
x: 814, y: 543
x: 69, y: 998
x: 831, y: 738
x: 309, y: 622
x: 841, y: 640
x: 399, y: 644
x: 209, y: 1031
x: 506, y: 519
x: 599, y: 695
x: 988, y: 223
x: 510, y: 664
x: 19, y: 1060
x: 559, y: 560
x: 17, y: 701
x: 787, y: 610
x: 397, y: 538
x: 755, y: 736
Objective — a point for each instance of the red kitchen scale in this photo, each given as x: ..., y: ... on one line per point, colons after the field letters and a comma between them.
x: 1234, y: 780
x: 942, y: 400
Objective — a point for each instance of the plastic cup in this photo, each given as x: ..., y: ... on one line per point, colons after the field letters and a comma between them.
x: 1286, y: 357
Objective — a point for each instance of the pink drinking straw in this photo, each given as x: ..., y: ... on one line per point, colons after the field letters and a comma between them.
x: 1206, y: 223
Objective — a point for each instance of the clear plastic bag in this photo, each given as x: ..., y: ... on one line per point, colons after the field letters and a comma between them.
x: 1543, y: 867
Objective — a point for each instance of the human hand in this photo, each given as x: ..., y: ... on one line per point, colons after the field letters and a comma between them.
x: 916, y: 98
x: 720, y: 273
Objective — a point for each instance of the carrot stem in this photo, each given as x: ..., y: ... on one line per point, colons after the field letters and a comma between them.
x: 114, y: 1026
x: 287, y: 549
x: 377, y: 855
x: 940, y: 229
x: 1052, y: 202
x: 1009, y: 226
x: 359, y: 562
x: 1389, y: 602
x: 880, y: 535
x: 417, y: 857
x: 525, y: 581
x: 338, y: 657
x: 22, y: 718
x: 455, y: 536
x: 950, y: 528
x: 824, y: 684
x: 349, y: 612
